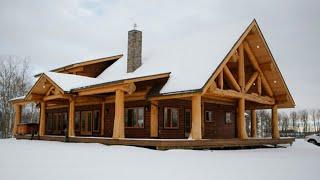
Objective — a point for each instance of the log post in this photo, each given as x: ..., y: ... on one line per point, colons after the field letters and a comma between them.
x: 196, y: 118
x: 241, y: 123
x: 103, y: 107
x: 42, y: 123
x: 275, y: 128
x: 71, y: 117
x: 17, y: 118
x: 253, y: 123
x: 118, y: 128
x: 154, y: 119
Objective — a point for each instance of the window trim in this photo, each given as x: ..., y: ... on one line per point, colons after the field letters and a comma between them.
x: 225, y: 117
x: 79, y: 121
x: 178, y: 123
x: 99, y: 120
x: 205, y: 116
x: 125, y: 118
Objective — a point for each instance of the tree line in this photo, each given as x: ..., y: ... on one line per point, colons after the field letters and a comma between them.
x: 296, y: 123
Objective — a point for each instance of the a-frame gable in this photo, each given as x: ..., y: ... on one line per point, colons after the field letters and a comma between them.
x: 44, y: 87
x: 260, y: 77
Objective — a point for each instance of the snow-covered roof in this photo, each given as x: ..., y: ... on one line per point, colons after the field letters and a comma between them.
x: 190, y: 64
x: 18, y: 98
x: 67, y: 82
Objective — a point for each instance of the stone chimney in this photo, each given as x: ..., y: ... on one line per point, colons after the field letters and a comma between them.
x: 134, y: 50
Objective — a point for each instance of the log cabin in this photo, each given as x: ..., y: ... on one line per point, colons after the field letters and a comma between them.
x: 170, y: 101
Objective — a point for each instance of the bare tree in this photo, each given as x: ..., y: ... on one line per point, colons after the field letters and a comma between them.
x: 303, y: 114
x: 284, y: 122
x: 264, y: 117
x: 14, y: 82
x: 318, y: 120
x: 313, y: 113
x: 294, y: 119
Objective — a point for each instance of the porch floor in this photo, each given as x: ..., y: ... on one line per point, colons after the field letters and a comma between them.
x: 164, y: 144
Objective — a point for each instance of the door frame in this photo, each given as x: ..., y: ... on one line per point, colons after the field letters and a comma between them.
x: 86, y: 128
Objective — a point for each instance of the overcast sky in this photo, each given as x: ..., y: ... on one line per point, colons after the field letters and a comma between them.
x: 54, y: 33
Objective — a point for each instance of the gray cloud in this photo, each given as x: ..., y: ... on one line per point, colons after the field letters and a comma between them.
x: 55, y: 33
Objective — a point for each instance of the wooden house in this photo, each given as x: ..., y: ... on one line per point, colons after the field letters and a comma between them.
x: 168, y: 101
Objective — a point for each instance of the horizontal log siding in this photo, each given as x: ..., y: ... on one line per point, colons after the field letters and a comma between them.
x: 212, y: 130
x: 218, y: 128
x: 173, y: 133
x: 129, y: 132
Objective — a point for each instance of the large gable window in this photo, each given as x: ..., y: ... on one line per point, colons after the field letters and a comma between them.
x: 171, y: 118
x: 134, y: 117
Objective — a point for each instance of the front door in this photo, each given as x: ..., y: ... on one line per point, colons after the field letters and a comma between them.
x: 187, y: 122
x: 86, y: 123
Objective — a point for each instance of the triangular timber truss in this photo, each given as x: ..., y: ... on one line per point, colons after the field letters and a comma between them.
x: 243, y: 74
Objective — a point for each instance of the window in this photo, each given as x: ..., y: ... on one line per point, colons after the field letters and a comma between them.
x: 49, y: 122
x: 228, y: 118
x: 208, y: 116
x: 65, y: 121
x: 134, y: 117
x: 77, y: 121
x: 187, y: 122
x: 96, y: 118
x: 55, y: 122
x: 89, y: 121
x: 171, y: 117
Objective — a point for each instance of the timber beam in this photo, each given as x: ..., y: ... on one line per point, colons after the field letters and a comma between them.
x: 129, y: 88
x: 54, y: 97
x: 250, y: 97
x: 251, y: 81
x: 255, y: 64
x: 231, y: 78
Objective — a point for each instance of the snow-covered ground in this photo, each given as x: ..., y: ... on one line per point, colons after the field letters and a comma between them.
x: 35, y: 160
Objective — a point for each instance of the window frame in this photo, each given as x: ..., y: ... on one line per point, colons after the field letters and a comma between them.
x: 164, y: 118
x: 77, y: 129
x: 211, y: 116
x: 225, y: 117
x: 93, y: 119
x: 126, y: 117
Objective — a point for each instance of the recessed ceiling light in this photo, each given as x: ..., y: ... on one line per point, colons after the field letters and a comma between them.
x: 258, y: 46
x: 254, y: 84
x: 274, y: 81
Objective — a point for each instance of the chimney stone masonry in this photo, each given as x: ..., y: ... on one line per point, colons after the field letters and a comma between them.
x: 134, y: 50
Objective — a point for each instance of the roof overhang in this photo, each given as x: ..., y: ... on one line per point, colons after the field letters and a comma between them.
x: 81, y: 65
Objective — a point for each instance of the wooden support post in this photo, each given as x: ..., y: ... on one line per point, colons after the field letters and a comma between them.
x: 17, y: 118
x: 253, y: 123
x: 241, y: 123
x: 196, y: 130
x: 275, y: 128
x: 42, y: 123
x: 221, y: 80
x: 71, y: 117
x: 154, y: 119
x: 103, y: 107
x: 118, y: 128
x: 241, y: 69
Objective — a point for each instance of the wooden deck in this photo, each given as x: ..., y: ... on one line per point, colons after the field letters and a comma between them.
x: 164, y: 144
